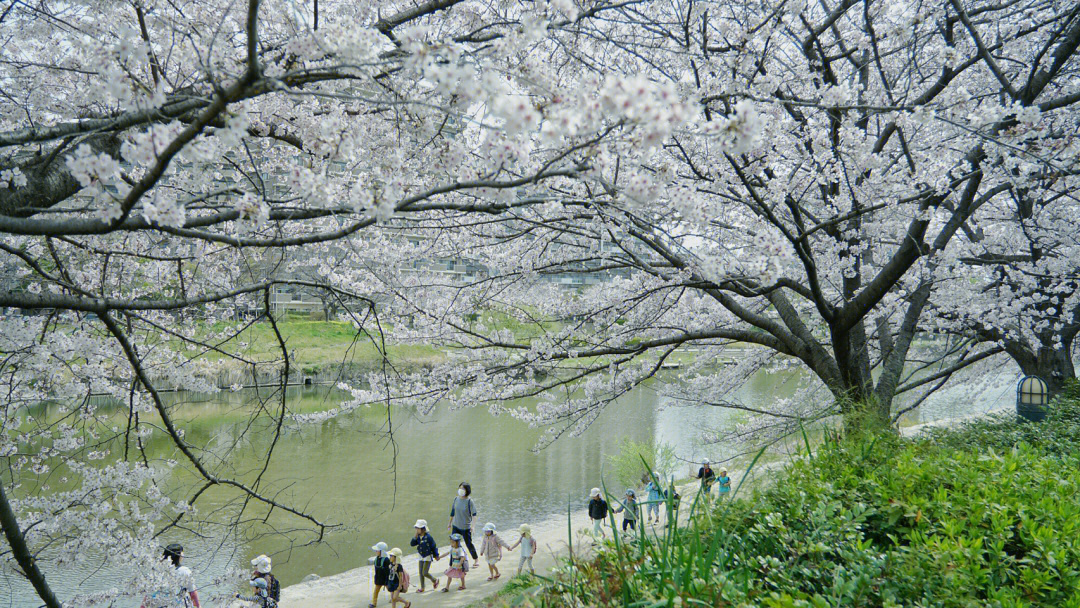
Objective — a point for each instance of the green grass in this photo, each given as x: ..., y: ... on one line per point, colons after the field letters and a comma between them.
x: 318, y: 345
x: 982, y: 515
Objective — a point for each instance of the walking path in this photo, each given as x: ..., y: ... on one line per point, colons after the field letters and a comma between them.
x: 352, y: 589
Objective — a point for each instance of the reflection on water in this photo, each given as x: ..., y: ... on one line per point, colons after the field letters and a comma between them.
x: 350, y: 472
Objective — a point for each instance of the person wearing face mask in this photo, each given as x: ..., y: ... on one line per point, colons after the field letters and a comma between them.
x: 462, y: 513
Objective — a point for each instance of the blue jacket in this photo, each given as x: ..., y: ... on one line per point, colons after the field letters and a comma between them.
x: 425, y: 545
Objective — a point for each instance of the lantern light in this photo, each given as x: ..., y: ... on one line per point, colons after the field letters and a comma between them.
x: 1032, y: 396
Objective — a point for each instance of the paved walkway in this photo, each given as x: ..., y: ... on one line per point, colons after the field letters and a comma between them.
x: 352, y: 589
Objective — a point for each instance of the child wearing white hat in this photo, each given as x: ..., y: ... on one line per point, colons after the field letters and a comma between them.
x: 528, y: 548
x: 261, y: 570
x: 381, y: 563
x: 598, y: 511
x: 429, y: 552
x: 398, y: 581
x: 491, y: 548
x: 459, y: 562
x: 707, y: 477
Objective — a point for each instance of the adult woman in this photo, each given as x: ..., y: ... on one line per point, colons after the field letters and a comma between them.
x: 186, y: 594
x: 462, y: 514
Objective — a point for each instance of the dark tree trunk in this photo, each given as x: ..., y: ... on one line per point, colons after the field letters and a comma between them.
x: 1053, y: 365
x: 859, y: 405
x: 23, y: 556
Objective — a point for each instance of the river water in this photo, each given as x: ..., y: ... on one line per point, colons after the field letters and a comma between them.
x: 348, y: 471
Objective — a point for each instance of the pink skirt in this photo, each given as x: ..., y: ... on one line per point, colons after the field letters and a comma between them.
x: 455, y: 573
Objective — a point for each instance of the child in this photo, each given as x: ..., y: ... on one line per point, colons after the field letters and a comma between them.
x: 425, y: 546
x: 261, y: 569
x: 396, y: 579
x: 491, y: 549
x: 459, y: 562
x: 598, y: 509
x: 629, y: 509
x: 528, y: 548
x: 652, y: 508
x: 381, y: 561
x: 262, y: 594
x: 707, y: 477
x: 725, y: 484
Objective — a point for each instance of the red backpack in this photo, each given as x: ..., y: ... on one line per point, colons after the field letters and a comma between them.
x: 404, y: 584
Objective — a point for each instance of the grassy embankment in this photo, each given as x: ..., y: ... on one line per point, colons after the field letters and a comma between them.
x: 324, y: 345
x: 320, y: 345
x: 985, y: 514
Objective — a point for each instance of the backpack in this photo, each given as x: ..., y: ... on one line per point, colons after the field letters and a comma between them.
x: 404, y: 584
x: 273, y: 588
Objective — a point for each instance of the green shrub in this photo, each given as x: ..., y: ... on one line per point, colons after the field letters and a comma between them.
x: 634, y: 461
x: 983, y: 515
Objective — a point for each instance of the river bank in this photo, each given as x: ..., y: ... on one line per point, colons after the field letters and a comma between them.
x: 556, y: 538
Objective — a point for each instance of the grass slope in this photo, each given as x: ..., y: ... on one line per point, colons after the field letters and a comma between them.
x: 983, y: 515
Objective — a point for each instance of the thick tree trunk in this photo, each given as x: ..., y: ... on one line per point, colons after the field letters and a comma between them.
x: 859, y: 405
x: 1053, y: 365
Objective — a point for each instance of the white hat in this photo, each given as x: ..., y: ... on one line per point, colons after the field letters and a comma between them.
x: 594, y: 492
x: 420, y: 523
x: 705, y: 461
x: 489, y: 527
x: 380, y: 546
x: 396, y: 552
x: 525, y: 529
x: 261, y: 563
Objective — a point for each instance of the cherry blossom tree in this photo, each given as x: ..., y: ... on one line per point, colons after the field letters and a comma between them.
x: 798, y: 184
x: 164, y: 167
x: 828, y: 171
x: 1020, y: 289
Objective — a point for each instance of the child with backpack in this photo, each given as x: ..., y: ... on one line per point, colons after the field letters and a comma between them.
x: 425, y: 546
x: 397, y: 582
x: 459, y: 562
x: 724, y: 483
x: 598, y: 511
x: 381, y: 563
x: 528, y: 548
x: 262, y: 594
x: 629, y: 509
x: 652, y: 506
x: 261, y: 566
x: 491, y: 548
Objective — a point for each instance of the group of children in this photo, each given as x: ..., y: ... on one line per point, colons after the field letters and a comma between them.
x: 630, y: 507
x: 391, y: 575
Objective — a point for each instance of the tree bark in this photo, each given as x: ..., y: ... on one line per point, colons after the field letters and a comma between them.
x: 23, y: 557
x: 1053, y: 365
